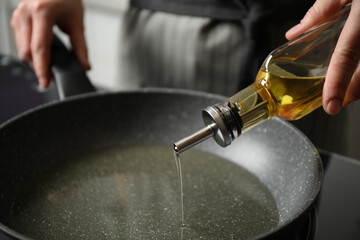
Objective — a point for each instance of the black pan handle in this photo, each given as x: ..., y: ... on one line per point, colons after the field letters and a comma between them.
x: 70, y: 76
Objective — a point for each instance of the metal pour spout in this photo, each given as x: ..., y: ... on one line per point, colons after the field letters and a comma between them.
x: 195, y: 138
x: 221, y: 124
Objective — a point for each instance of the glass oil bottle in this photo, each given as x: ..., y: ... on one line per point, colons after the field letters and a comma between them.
x: 288, y: 85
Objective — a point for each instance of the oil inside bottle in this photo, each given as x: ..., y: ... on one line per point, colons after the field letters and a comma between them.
x: 284, y: 88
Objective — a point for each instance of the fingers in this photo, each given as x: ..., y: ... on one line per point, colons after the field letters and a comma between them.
x: 32, y: 24
x: 74, y: 26
x: 343, y: 65
x: 40, y: 47
x: 319, y: 12
x: 77, y: 39
x: 21, y: 25
x: 32, y: 29
x: 353, y: 92
x: 342, y: 83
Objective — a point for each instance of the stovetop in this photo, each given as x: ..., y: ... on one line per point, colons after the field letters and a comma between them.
x: 18, y: 79
x: 338, y: 205
x: 336, y: 214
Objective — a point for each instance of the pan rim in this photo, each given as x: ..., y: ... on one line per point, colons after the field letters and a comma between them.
x: 80, y: 97
x: 306, y: 207
x: 316, y: 190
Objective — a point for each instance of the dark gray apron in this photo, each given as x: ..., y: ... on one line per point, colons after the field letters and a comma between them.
x: 264, y: 23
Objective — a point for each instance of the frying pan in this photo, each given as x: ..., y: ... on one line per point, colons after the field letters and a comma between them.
x: 38, y: 145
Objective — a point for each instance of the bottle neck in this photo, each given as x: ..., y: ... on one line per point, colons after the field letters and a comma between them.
x: 243, y: 111
x: 251, y: 105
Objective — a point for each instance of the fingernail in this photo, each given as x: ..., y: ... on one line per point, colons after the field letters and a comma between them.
x: 43, y: 83
x: 333, y: 107
x: 293, y: 30
x: 84, y: 61
x: 87, y: 64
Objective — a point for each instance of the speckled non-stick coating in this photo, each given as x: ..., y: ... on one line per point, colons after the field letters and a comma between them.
x: 277, y: 153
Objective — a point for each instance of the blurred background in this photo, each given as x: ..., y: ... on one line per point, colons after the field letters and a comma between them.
x: 19, y: 90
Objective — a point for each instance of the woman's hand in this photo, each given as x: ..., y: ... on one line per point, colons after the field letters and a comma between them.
x: 33, y: 22
x: 342, y: 83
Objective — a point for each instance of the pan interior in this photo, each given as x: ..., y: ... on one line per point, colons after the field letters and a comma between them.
x: 132, y: 192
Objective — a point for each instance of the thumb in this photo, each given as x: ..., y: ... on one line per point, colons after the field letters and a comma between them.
x: 78, y: 43
x: 317, y: 14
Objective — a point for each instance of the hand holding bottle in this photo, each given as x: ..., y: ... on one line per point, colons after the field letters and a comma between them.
x: 342, y: 84
x: 33, y: 22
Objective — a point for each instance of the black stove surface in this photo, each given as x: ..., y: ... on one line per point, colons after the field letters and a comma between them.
x: 336, y: 214
x: 307, y: 230
x: 338, y: 205
x: 18, y: 79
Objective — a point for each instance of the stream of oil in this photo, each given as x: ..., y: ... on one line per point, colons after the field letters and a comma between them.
x: 132, y: 192
x: 179, y: 171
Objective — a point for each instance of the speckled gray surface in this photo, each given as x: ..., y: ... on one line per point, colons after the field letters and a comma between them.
x: 132, y: 193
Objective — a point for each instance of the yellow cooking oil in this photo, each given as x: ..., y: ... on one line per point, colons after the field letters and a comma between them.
x: 284, y: 88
